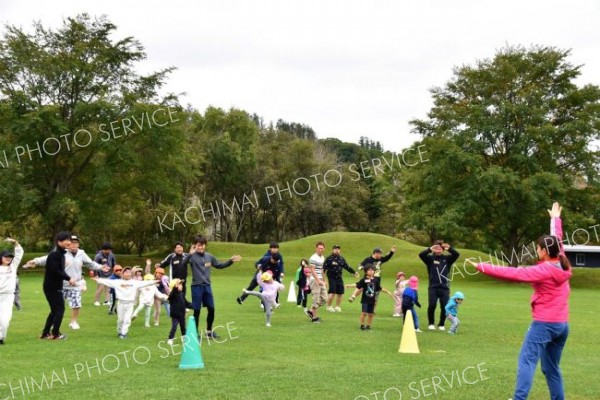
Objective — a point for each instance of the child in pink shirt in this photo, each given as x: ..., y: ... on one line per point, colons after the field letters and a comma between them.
x: 268, y: 296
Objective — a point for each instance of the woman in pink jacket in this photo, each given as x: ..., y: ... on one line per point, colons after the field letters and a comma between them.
x: 548, y: 332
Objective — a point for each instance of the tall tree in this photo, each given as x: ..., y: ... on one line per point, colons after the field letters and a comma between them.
x: 507, y: 137
x: 64, y: 96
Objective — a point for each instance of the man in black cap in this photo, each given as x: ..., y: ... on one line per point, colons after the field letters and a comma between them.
x: 376, y: 260
x: 333, y: 266
x: 272, y: 261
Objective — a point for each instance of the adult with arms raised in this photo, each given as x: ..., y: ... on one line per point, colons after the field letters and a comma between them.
x: 201, y: 263
x: 439, y: 267
x: 548, y: 332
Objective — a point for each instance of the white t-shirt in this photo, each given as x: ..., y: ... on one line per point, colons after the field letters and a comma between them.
x: 318, y: 262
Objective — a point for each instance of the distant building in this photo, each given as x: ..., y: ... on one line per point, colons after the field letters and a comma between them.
x: 583, y: 256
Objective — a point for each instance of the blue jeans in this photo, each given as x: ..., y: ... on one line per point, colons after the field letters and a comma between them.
x: 545, y: 341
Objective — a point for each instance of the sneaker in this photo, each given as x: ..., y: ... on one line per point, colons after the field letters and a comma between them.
x: 19, y: 308
x: 212, y: 335
x: 362, y: 328
x: 308, y: 313
x: 97, y: 304
x: 368, y: 328
x: 338, y: 309
x: 330, y: 309
x: 277, y: 305
x: 299, y: 305
x: 262, y: 306
x: 156, y: 324
x: 110, y: 313
x: 441, y: 328
x: 45, y: 336
x: 170, y: 342
x: 74, y: 325
x: 268, y: 324
x: 106, y: 303
x: 431, y: 327
x: 239, y: 301
x: 451, y: 333
x: 146, y: 325
x: 60, y: 336
x: 396, y: 315
x: 418, y: 330
x: 1, y: 341
x: 316, y: 320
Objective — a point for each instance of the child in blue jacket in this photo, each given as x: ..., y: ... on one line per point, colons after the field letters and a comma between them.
x: 452, y: 311
x: 410, y: 298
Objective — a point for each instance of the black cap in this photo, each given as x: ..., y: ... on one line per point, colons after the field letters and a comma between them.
x: 377, y: 250
x: 74, y: 238
x: 274, y: 245
x: 7, y: 253
x: 336, y: 246
x: 106, y: 246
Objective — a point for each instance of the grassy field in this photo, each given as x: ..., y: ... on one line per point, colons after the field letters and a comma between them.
x: 296, y: 359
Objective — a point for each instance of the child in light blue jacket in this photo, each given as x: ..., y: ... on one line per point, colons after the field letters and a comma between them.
x: 452, y: 311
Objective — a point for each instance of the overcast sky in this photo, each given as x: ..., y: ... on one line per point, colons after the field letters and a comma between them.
x: 346, y: 68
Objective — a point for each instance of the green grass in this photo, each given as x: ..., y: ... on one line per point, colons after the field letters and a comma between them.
x: 294, y: 358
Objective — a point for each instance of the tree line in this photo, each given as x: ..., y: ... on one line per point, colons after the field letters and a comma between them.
x: 89, y: 145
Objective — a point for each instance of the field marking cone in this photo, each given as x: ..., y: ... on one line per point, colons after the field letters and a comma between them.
x: 292, y: 293
x: 408, y: 342
x: 191, y: 357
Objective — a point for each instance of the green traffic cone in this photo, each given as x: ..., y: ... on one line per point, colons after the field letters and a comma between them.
x: 191, y: 357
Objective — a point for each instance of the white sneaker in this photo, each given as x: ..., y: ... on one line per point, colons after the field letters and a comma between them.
x: 330, y: 309
x: 431, y: 327
x: 396, y: 315
x: 97, y: 304
x: 74, y: 325
x: 418, y: 330
x: 170, y: 342
x: 277, y: 305
x: 146, y: 325
x: 441, y: 328
x: 156, y: 324
x: 338, y: 309
x: 268, y: 324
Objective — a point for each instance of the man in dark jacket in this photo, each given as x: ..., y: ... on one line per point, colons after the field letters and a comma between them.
x: 175, y: 263
x: 333, y: 266
x: 53, y: 287
x: 439, y: 267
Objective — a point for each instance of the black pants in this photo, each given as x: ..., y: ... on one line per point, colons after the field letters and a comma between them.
x: 56, y: 302
x: 302, y: 297
x: 251, y: 286
x: 113, y: 301
x: 443, y: 295
x: 174, y: 322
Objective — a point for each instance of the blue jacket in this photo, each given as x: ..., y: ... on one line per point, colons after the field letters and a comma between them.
x: 410, y: 297
x: 452, y: 307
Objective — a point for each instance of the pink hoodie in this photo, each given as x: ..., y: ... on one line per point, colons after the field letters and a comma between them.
x: 550, y: 299
x: 269, y: 289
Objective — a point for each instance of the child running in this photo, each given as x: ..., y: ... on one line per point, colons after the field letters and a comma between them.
x: 269, y: 287
x: 452, y: 311
x: 125, y: 291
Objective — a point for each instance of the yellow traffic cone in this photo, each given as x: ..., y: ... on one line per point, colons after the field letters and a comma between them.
x: 191, y: 357
x: 408, y: 342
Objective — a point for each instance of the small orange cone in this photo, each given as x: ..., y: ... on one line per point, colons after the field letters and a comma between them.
x: 191, y: 357
x: 408, y: 342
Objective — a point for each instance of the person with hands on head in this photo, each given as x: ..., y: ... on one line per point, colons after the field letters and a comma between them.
x: 9, y: 263
x: 201, y: 263
x: 439, y: 267
x: 547, y: 334
x: 53, y: 286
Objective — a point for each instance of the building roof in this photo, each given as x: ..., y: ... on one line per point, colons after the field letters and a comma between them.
x: 581, y: 249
